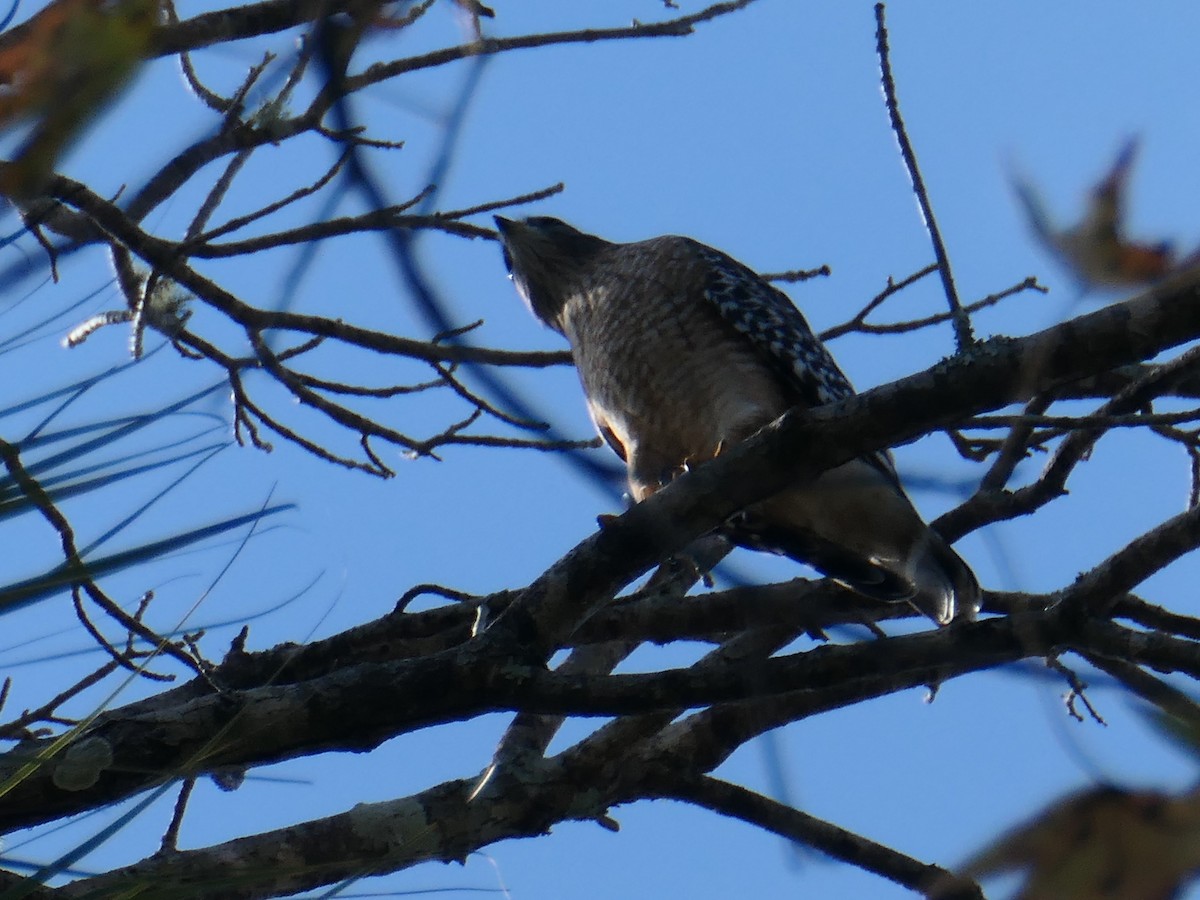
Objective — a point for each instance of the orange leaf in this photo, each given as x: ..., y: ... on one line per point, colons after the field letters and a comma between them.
x: 1095, y: 248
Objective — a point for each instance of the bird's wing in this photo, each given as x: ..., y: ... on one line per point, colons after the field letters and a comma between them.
x: 606, y: 430
x: 779, y: 332
x: 777, y: 329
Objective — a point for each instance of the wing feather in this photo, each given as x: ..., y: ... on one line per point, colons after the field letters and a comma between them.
x: 767, y: 317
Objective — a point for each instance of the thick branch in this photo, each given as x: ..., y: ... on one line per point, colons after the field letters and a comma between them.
x: 358, y: 707
x: 803, y: 443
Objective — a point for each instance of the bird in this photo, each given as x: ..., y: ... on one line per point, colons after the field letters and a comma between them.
x: 683, y: 352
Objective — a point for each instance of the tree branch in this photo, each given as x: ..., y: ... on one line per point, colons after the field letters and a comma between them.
x: 741, y: 803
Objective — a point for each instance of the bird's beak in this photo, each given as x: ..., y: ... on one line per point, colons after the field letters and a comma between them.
x: 507, y: 227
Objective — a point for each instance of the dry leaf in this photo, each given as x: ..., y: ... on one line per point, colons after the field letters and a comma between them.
x: 1103, y: 844
x: 59, y: 69
x: 1095, y: 249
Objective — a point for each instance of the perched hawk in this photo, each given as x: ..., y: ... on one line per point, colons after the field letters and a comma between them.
x: 684, y: 352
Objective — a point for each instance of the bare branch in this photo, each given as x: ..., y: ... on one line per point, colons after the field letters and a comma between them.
x: 740, y: 803
x: 962, y: 321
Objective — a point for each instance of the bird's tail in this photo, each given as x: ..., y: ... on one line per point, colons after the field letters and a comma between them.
x: 944, y: 587
x: 856, y: 526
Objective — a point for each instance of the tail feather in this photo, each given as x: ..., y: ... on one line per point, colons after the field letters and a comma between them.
x: 932, y: 578
x: 853, y: 570
x: 944, y: 587
x: 858, y: 528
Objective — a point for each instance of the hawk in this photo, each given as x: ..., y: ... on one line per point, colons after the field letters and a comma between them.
x: 683, y: 352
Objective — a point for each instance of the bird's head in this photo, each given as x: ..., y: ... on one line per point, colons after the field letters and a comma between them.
x: 547, y: 260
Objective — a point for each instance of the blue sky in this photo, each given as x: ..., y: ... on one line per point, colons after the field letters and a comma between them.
x: 763, y: 134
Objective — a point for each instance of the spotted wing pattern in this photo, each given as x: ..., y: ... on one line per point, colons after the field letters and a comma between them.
x: 768, y: 318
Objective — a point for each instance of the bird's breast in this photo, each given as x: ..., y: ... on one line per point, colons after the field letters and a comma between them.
x: 667, y: 376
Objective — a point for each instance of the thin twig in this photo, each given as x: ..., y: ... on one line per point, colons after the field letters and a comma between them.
x: 794, y: 275
x: 891, y: 288
x: 1078, y: 691
x: 963, y: 335
x: 1166, y: 697
x: 76, y: 569
x: 170, y: 839
x: 741, y: 803
x: 519, y: 200
x: 856, y: 324
x: 1063, y: 424
x: 17, y: 728
x: 1015, y: 447
x: 242, y: 221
